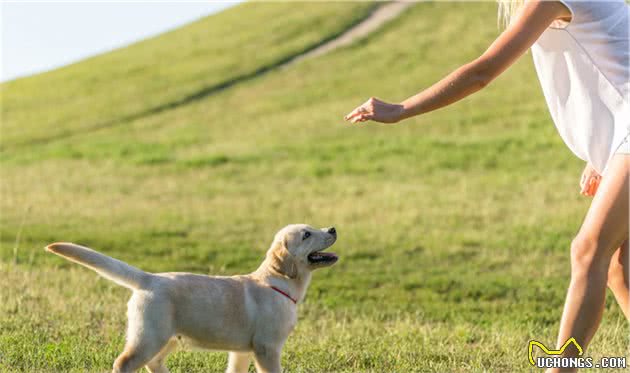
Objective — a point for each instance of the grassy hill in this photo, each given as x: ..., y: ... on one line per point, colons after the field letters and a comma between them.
x: 453, y: 227
x: 164, y: 72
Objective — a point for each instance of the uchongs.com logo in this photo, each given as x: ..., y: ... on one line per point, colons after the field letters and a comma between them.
x: 554, y: 358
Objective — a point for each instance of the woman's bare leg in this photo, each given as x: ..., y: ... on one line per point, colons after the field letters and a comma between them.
x: 618, y: 281
x: 604, y: 229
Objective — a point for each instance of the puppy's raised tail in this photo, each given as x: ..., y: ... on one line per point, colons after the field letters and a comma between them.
x: 112, y: 269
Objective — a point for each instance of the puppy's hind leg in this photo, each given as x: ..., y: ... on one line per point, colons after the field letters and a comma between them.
x: 238, y: 362
x: 158, y: 363
x: 149, y: 330
x: 138, y: 354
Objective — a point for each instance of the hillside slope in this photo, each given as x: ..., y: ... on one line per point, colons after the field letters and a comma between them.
x: 167, y: 70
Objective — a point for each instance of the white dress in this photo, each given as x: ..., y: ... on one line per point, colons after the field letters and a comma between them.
x: 584, y: 70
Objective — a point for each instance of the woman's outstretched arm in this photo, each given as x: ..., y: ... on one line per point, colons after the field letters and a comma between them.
x: 532, y: 21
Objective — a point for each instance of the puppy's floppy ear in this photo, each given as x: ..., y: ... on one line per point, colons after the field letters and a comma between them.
x: 282, y: 261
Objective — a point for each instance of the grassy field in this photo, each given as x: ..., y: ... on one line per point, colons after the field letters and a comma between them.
x: 453, y: 227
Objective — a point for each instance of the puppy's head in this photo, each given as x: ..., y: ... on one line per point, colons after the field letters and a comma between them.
x: 298, y: 247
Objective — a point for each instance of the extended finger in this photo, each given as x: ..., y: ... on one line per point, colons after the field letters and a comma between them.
x: 362, y: 118
x: 352, y: 114
x: 358, y: 111
x: 356, y: 119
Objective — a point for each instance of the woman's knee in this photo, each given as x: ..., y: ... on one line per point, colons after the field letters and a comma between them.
x: 588, y: 255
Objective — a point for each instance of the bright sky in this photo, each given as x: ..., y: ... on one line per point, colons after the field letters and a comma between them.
x: 38, y: 36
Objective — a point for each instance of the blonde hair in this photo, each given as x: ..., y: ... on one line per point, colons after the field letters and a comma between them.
x: 508, y: 10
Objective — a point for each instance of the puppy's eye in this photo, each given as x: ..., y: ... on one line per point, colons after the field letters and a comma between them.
x: 306, y: 235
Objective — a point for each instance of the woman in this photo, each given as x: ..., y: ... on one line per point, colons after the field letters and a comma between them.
x: 581, y: 54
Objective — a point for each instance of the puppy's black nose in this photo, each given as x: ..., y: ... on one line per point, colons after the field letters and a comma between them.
x: 332, y: 231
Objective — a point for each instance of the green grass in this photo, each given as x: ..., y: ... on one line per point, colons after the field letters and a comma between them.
x: 453, y: 227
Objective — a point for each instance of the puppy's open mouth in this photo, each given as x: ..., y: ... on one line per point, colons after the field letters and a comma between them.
x: 320, y: 257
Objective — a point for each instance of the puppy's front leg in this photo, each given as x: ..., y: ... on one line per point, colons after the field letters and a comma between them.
x: 267, y: 358
x: 238, y: 362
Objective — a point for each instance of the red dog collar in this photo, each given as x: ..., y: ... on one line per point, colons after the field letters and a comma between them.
x: 285, y: 294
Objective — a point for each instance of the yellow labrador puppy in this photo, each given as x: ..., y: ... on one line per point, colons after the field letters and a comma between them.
x: 247, y: 315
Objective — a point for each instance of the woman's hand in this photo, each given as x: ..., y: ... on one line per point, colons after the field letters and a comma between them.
x: 376, y: 110
x: 590, y: 181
